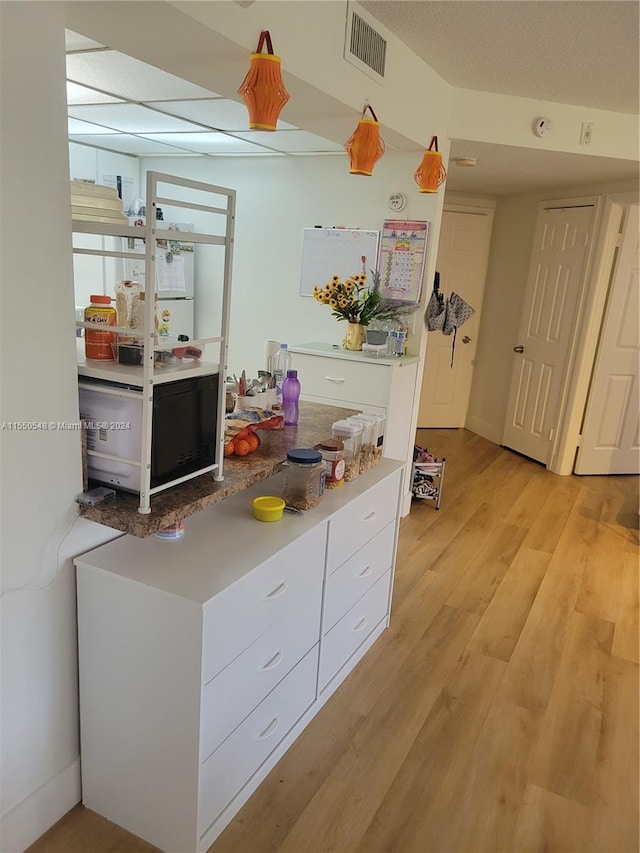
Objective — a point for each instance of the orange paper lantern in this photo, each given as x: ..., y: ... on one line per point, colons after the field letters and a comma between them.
x: 365, y: 147
x: 262, y: 89
x: 431, y: 173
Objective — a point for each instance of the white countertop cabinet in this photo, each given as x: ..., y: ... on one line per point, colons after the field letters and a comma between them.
x: 202, y: 659
x: 338, y: 377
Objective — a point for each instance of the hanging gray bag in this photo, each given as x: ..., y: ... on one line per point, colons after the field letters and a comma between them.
x: 434, y: 316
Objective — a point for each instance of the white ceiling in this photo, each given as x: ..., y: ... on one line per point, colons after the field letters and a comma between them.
x: 571, y: 52
x: 581, y: 52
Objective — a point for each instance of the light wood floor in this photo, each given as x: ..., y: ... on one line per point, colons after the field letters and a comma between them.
x: 500, y: 710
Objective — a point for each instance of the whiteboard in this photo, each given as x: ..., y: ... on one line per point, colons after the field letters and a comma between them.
x: 335, y: 251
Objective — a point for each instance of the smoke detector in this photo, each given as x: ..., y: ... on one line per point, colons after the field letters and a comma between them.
x: 466, y: 161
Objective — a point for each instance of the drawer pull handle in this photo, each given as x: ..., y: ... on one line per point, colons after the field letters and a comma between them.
x: 365, y: 572
x: 273, y: 663
x: 369, y: 517
x: 360, y: 625
x: 271, y: 729
x: 334, y: 378
x: 278, y: 591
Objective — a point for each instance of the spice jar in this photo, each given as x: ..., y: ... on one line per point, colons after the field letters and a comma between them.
x: 369, y: 439
x: 332, y: 452
x: 350, y: 434
x: 303, y: 478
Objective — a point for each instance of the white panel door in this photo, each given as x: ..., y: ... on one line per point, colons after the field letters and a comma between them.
x: 463, y: 252
x: 610, y: 438
x: 547, y: 329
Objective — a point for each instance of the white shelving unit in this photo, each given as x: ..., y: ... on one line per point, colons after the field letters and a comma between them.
x: 147, y: 375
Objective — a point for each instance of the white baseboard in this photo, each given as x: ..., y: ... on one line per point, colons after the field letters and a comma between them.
x: 31, y: 818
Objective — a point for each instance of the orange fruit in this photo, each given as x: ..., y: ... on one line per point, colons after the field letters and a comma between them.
x: 253, y: 441
x: 241, y: 447
x: 228, y: 448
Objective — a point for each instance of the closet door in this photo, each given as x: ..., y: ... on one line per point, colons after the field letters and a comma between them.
x: 610, y: 437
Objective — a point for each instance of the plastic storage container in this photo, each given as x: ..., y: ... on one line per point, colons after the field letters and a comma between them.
x: 303, y: 478
x: 333, y: 455
x: 350, y: 434
x: 378, y: 449
x: 369, y: 439
x: 290, y: 398
x: 98, y: 342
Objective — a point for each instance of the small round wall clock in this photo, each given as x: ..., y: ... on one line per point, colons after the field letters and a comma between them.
x: 397, y: 201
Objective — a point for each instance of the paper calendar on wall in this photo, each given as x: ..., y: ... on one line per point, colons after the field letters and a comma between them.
x: 336, y: 251
x: 403, y: 248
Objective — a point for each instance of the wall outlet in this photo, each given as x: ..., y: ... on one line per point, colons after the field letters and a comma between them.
x: 586, y: 133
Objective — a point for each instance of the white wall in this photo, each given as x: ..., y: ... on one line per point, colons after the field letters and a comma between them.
x: 41, y: 469
x: 276, y: 197
x: 513, y: 232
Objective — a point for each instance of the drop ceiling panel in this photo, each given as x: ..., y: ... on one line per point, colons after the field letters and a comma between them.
x: 207, y: 143
x: 86, y: 128
x: 77, y: 94
x: 129, y: 78
x: 291, y: 141
x: 219, y: 113
x: 130, y: 118
x: 74, y: 41
x: 123, y: 143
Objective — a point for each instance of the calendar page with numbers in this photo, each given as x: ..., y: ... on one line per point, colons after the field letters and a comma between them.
x: 403, y: 248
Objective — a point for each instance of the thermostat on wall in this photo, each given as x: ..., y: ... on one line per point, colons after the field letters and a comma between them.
x: 397, y: 201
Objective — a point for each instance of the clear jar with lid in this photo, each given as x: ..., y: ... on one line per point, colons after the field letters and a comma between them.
x: 303, y: 478
x: 377, y: 450
x: 350, y: 434
x: 333, y: 456
x: 369, y: 439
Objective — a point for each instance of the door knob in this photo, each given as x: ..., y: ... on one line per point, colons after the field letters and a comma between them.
x: 466, y: 339
x: 518, y: 349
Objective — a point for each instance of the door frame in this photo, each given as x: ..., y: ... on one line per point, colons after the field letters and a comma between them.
x: 594, y: 291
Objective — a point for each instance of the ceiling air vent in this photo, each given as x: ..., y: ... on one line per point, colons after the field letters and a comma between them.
x: 364, y: 47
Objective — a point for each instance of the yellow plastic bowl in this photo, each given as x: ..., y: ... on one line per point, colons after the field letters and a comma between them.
x: 268, y: 508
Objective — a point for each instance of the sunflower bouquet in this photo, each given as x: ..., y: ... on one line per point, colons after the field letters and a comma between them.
x: 353, y: 301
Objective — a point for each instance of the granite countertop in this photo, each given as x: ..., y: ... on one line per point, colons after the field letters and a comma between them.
x: 180, y: 501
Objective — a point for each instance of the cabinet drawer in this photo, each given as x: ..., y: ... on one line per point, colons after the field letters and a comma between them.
x: 241, y: 686
x: 289, y: 581
x: 361, y: 520
x: 353, y: 629
x: 355, y: 577
x: 350, y: 381
x: 231, y: 766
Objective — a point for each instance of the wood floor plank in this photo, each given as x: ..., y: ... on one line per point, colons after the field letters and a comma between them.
x: 502, y: 622
x: 349, y: 797
x: 549, y: 822
x: 613, y: 827
x: 565, y: 756
x: 532, y: 669
x: 627, y: 631
x: 431, y: 772
x: 546, y: 529
x: 483, y: 576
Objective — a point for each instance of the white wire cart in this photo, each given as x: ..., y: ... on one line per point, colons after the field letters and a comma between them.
x: 427, y: 480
